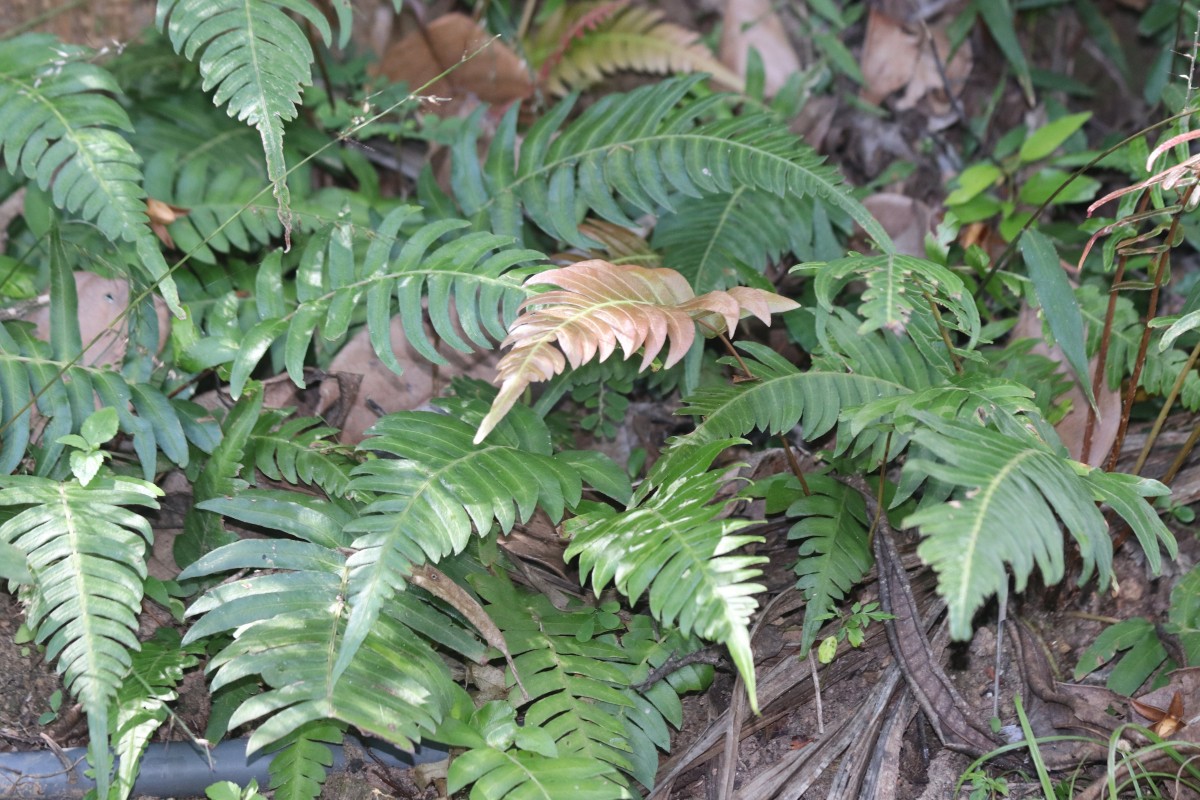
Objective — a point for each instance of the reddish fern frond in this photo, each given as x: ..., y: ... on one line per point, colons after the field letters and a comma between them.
x: 584, y: 42
x: 565, y: 30
x: 599, y: 306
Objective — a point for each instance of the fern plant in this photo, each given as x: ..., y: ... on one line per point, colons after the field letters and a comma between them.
x: 61, y: 129
x: 83, y: 551
x: 637, y: 153
x: 258, y: 59
x: 378, y: 591
x: 580, y: 43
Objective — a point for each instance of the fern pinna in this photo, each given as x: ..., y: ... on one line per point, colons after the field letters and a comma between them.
x: 60, y: 126
x: 630, y: 154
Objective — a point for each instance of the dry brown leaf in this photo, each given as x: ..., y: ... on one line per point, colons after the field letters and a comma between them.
x: 161, y: 215
x: 1071, y: 428
x: 754, y: 23
x: 599, y: 306
x: 102, y: 301
x: 588, y: 41
x: 495, y: 75
x: 905, y: 219
x: 383, y: 391
x: 620, y: 244
x: 895, y: 58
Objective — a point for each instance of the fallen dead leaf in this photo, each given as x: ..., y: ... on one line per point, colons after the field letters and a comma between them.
x: 896, y: 57
x: 383, y: 391
x: 102, y: 301
x: 906, y: 220
x: 161, y: 215
x: 1071, y: 428
x: 493, y: 75
x: 754, y: 23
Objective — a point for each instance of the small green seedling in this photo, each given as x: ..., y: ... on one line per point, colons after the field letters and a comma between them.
x: 55, y: 703
x: 985, y: 787
x: 87, y: 458
x: 853, y: 630
x: 228, y: 790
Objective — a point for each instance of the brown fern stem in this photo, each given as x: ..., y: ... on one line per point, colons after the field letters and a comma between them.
x: 941, y: 326
x: 794, y: 464
x: 1089, y: 426
x: 1182, y: 457
x: 747, y: 375
x: 1164, y: 258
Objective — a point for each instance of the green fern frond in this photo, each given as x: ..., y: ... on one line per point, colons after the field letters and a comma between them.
x: 725, y: 240
x: 463, y: 280
x: 289, y: 620
x: 642, y: 147
x: 1005, y: 405
x: 582, y: 722
x: 673, y: 544
x: 439, y: 488
x: 1161, y: 367
x: 257, y: 58
x: 68, y: 396
x: 781, y: 397
x: 219, y: 213
x: 896, y: 285
x: 59, y: 127
x: 970, y: 540
x: 141, y: 705
x: 834, y: 553
x: 86, y: 552
x: 630, y: 38
x: 299, y: 451
x: 298, y: 770
x: 503, y: 759
x: 202, y: 530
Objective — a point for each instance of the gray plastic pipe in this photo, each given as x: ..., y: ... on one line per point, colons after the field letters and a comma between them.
x: 171, y: 769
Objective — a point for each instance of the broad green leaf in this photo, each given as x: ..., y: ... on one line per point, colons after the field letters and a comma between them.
x: 1046, y: 139
x: 998, y: 16
x: 100, y: 427
x: 1059, y: 305
x: 972, y: 181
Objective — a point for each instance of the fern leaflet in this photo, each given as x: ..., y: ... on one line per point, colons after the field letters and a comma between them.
x: 289, y: 620
x: 970, y: 540
x: 258, y: 60
x: 141, y: 705
x: 674, y: 544
x: 58, y: 126
x: 439, y: 487
x: 298, y: 769
x: 644, y: 146
x: 299, y: 451
x: 86, y: 553
x: 834, y: 553
x: 464, y: 275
